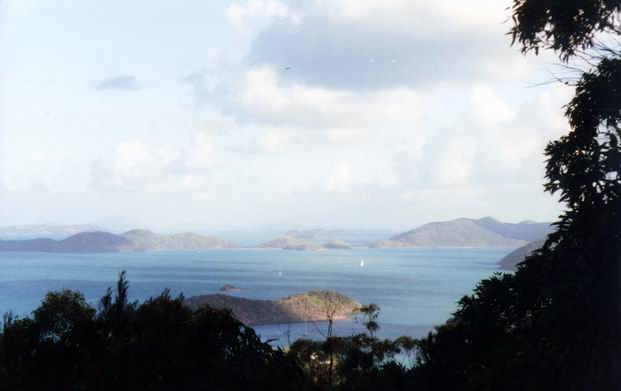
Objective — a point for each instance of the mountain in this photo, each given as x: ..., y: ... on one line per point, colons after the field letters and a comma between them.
x: 309, y: 306
x: 526, y: 230
x: 313, y: 239
x: 485, y: 232
x: 510, y: 261
x: 383, y: 243
x: 91, y: 242
x: 292, y: 243
x: 336, y: 245
x: 320, y: 235
x: 143, y: 240
x: 99, y: 241
x: 117, y: 223
x: 48, y: 231
x: 84, y: 242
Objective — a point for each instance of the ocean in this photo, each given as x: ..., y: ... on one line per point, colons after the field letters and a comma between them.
x: 416, y: 289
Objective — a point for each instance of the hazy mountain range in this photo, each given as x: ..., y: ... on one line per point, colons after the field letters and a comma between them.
x: 510, y: 261
x: 46, y: 231
x: 99, y: 241
x: 485, y: 232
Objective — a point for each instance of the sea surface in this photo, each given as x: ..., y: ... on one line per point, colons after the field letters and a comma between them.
x: 415, y: 289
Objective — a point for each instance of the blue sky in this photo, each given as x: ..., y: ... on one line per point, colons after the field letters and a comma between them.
x: 262, y: 113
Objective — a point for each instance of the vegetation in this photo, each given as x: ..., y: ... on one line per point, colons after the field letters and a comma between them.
x: 302, y: 307
x: 553, y: 325
x: 556, y: 323
x: 157, y: 345
x: 358, y: 362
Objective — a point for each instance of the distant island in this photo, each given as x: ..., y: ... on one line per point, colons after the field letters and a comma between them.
x: 229, y: 288
x: 131, y: 241
x: 510, y: 261
x: 482, y: 233
x: 485, y: 232
x: 305, y: 307
x: 20, y: 232
x: 311, y: 240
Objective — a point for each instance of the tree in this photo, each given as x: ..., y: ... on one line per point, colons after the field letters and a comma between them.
x: 556, y: 323
x: 156, y: 345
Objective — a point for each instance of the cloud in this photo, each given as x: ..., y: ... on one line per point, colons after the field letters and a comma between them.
x: 255, y: 15
x: 132, y: 165
x: 119, y: 83
x: 38, y: 173
x: 137, y: 166
x: 341, y: 180
x: 345, y: 180
x: 260, y: 96
x: 489, y: 144
x: 354, y: 45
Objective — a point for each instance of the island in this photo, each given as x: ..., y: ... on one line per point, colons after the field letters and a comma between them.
x: 486, y: 232
x: 229, y: 288
x: 511, y: 260
x: 305, y: 307
x: 292, y: 243
x: 130, y: 241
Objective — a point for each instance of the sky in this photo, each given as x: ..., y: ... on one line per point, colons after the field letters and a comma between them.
x: 357, y: 114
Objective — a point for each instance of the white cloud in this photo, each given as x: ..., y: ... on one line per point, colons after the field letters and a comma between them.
x: 274, y: 142
x: 341, y: 179
x: 137, y: 166
x: 254, y: 15
x: 489, y: 144
x: 378, y: 44
x: 261, y: 96
x: 198, y: 157
x: 132, y: 165
x: 39, y: 172
x: 488, y: 107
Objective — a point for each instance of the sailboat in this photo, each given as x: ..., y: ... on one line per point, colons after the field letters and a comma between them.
x: 362, y: 263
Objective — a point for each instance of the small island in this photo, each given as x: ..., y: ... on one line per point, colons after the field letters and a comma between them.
x: 305, y: 307
x: 229, y: 288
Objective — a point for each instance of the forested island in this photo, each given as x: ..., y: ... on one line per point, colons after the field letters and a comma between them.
x: 306, y: 307
x: 480, y: 233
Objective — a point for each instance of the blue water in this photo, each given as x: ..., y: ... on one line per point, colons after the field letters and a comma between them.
x: 415, y: 288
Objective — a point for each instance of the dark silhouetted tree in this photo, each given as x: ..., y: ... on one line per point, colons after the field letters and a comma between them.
x: 157, y: 345
x: 556, y: 323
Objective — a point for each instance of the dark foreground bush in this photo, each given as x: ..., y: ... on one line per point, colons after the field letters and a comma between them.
x: 157, y: 345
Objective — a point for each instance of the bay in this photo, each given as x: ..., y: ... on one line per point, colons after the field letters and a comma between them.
x: 416, y: 289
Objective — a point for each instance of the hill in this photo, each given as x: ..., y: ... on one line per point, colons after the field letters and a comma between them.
x: 84, y: 242
x: 21, y: 232
x: 99, y: 241
x: 526, y: 230
x: 485, y: 232
x: 312, y: 240
x: 309, y: 306
x: 143, y: 240
x: 292, y: 243
x: 320, y: 235
x: 510, y: 261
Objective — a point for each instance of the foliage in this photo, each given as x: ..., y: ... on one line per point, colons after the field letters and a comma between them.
x: 357, y: 362
x: 157, y: 345
x: 556, y: 323
x: 563, y: 26
x: 553, y: 325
